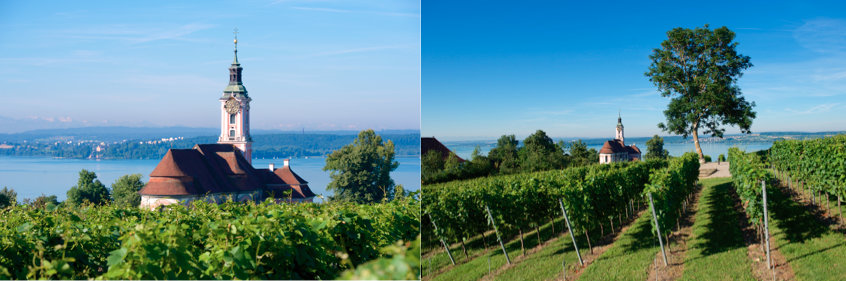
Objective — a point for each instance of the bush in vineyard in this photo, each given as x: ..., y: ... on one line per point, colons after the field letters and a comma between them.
x: 205, y: 241
x: 671, y: 186
x: 817, y: 164
x: 747, y: 172
x: 593, y: 196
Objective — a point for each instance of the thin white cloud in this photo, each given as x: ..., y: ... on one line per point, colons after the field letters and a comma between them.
x: 822, y: 108
x: 822, y: 35
x: 345, y: 11
x: 356, y: 50
x: 136, y: 34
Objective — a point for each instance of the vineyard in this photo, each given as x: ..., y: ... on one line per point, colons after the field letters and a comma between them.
x: 777, y: 217
x: 209, y: 241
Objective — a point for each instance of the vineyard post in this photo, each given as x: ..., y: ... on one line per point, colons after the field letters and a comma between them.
x: 766, y: 225
x: 658, y: 228
x: 490, y: 218
x: 570, y: 229
x: 442, y: 240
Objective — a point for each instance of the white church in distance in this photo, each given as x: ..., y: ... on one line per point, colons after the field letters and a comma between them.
x: 616, y: 150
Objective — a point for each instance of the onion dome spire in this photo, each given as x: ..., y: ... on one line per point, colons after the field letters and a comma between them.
x: 236, y: 87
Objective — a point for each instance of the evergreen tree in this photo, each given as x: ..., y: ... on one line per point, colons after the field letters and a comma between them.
x: 655, y: 148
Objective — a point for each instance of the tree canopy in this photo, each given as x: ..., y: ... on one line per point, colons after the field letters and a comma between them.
x: 539, y: 153
x: 8, y: 197
x: 698, y: 70
x: 504, y: 155
x: 125, y: 190
x: 360, y: 171
x: 88, y: 190
x: 655, y: 148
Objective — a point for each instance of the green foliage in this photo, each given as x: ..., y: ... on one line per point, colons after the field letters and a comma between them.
x: 580, y: 155
x: 670, y: 186
x: 539, y: 153
x: 431, y: 163
x: 8, y: 197
x: 204, y: 241
x: 819, y: 163
x: 400, y: 261
x: 88, y: 190
x: 45, y: 202
x: 747, y: 173
x: 504, y: 155
x: 655, y: 148
x: 125, y: 190
x: 591, y: 195
x: 699, y: 69
x: 360, y: 171
x: 707, y: 158
x: 721, y: 158
x: 452, y: 163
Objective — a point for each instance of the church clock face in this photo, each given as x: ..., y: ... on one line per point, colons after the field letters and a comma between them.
x: 232, y: 106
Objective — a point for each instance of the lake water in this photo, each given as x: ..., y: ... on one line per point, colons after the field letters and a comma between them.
x: 465, y: 148
x: 33, y: 176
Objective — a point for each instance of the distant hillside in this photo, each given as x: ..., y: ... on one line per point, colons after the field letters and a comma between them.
x: 146, y: 143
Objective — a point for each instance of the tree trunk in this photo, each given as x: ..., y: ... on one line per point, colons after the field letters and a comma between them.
x: 695, y: 134
x: 601, y: 231
x: 537, y: 229
x: 465, y: 250
x: 485, y: 241
x: 612, y: 225
x: 552, y: 221
x: 627, y: 211
x: 839, y: 210
x: 522, y: 248
x: 588, y: 240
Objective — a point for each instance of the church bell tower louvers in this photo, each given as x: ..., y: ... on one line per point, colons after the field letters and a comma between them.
x: 235, y: 111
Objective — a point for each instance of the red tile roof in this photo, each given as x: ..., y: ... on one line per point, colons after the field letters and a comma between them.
x: 432, y: 143
x: 217, y: 168
x: 616, y: 146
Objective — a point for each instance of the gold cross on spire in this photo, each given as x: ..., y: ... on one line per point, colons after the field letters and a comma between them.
x: 235, y: 32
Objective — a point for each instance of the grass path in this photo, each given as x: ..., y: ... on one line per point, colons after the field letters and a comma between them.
x: 814, y: 251
x: 716, y: 249
x: 629, y: 257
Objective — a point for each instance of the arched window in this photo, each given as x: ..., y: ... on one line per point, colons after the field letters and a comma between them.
x: 232, y: 132
x: 231, y: 118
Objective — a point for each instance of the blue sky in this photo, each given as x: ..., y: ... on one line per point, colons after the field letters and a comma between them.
x: 567, y: 67
x: 313, y: 65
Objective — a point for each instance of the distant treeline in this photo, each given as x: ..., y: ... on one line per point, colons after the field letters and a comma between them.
x: 264, y: 146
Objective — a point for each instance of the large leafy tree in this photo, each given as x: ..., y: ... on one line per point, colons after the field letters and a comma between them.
x: 360, y: 171
x: 655, y: 148
x: 125, y: 190
x: 504, y: 155
x: 432, y: 163
x: 580, y: 155
x: 539, y: 153
x: 88, y: 190
x: 699, y: 69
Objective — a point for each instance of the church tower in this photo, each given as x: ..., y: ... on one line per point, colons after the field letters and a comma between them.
x: 619, y: 134
x: 235, y: 111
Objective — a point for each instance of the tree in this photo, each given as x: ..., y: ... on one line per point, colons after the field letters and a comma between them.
x: 8, y: 197
x: 43, y: 201
x: 361, y: 171
x: 581, y: 156
x: 504, y: 155
x: 88, y: 190
x: 699, y: 69
x: 125, y: 190
x: 655, y: 148
x: 452, y: 164
x: 431, y: 163
x: 539, y: 153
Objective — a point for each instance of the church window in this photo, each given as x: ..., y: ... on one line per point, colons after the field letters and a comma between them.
x: 232, y: 132
x: 231, y: 118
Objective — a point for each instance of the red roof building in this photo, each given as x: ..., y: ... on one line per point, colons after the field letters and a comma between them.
x: 223, y: 171
x: 616, y: 150
x: 427, y: 144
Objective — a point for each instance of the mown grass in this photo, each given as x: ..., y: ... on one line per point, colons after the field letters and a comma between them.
x: 477, y: 267
x: 716, y: 249
x: 629, y: 257
x: 546, y: 263
x: 814, y: 251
